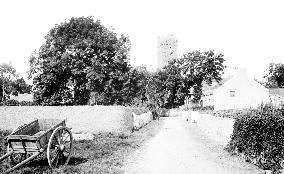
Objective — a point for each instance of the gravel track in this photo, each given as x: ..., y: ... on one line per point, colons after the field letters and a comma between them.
x: 180, y: 148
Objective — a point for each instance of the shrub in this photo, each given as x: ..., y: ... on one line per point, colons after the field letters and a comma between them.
x: 259, y: 135
x: 26, y: 103
x: 155, y: 114
x: 17, y: 103
x: 162, y: 112
x: 3, y: 134
x: 232, y: 113
x: 11, y: 103
x: 205, y: 109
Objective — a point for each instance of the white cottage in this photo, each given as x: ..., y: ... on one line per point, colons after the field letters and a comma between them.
x: 237, y: 92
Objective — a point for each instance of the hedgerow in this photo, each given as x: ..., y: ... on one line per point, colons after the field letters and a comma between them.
x: 259, y: 136
x: 3, y: 134
x: 17, y: 103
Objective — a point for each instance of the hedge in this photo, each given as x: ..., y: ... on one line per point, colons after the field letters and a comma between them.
x: 17, y: 103
x: 3, y: 134
x: 259, y: 136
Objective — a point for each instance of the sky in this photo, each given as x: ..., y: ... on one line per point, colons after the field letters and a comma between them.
x: 249, y: 33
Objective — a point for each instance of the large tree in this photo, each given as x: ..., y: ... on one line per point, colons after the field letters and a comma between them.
x: 202, y: 66
x: 169, y: 86
x: 80, y: 56
x: 275, y: 75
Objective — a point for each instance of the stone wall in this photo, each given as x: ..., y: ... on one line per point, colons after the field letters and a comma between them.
x: 174, y: 113
x: 82, y: 119
x: 141, y: 120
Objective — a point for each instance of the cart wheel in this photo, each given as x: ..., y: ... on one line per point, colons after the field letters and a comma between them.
x: 16, y: 158
x: 59, y: 147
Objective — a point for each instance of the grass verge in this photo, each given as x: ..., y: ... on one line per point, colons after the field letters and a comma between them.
x: 105, y: 154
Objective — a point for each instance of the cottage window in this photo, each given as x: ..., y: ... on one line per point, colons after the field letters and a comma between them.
x: 232, y: 94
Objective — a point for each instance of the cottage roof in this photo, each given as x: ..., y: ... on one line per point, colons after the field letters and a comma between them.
x: 215, y: 84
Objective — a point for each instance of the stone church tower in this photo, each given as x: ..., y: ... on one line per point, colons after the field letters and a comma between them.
x: 167, y: 49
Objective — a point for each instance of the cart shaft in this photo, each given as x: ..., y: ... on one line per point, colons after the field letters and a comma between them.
x: 6, y: 155
x: 23, y: 162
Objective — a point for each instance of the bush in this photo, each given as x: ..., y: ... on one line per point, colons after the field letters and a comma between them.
x: 27, y: 103
x: 231, y: 113
x: 205, y: 109
x: 3, y: 134
x: 259, y: 135
x: 155, y: 114
x: 162, y: 112
x: 17, y: 103
x: 11, y: 103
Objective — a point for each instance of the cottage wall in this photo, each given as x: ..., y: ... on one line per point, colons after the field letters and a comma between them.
x: 240, y: 92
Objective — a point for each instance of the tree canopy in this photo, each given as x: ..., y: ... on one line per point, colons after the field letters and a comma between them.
x: 80, y: 56
x: 10, y: 82
x: 275, y: 75
x: 82, y: 62
x: 169, y: 86
x: 199, y: 66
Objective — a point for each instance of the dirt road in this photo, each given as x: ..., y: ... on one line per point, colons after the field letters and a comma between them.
x: 180, y: 148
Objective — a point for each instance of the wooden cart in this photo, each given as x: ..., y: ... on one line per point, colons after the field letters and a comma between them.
x: 30, y: 140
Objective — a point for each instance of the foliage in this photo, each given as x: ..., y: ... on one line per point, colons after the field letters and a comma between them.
x: 259, y: 135
x: 10, y: 83
x: 207, y: 109
x: 199, y: 66
x: 3, y: 134
x: 27, y: 103
x: 80, y: 56
x: 170, y: 85
x: 11, y: 103
x: 162, y: 112
x: 134, y: 90
x: 7, y: 76
x: 17, y: 103
x: 168, y: 88
x: 82, y: 62
x: 20, y: 86
x: 231, y: 113
x: 275, y: 75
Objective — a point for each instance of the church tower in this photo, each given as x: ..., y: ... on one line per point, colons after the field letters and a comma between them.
x: 167, y: 49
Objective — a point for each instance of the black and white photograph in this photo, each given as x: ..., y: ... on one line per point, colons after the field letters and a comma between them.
x: 142, y: 87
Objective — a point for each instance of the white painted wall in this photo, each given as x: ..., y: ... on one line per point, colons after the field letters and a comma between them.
x: 173, y: 113
x: 141, y: 120
x: 248, y: 93
x: 82, y: 119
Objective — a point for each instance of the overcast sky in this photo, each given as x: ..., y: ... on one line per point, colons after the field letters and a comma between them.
x: 250, y: 33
